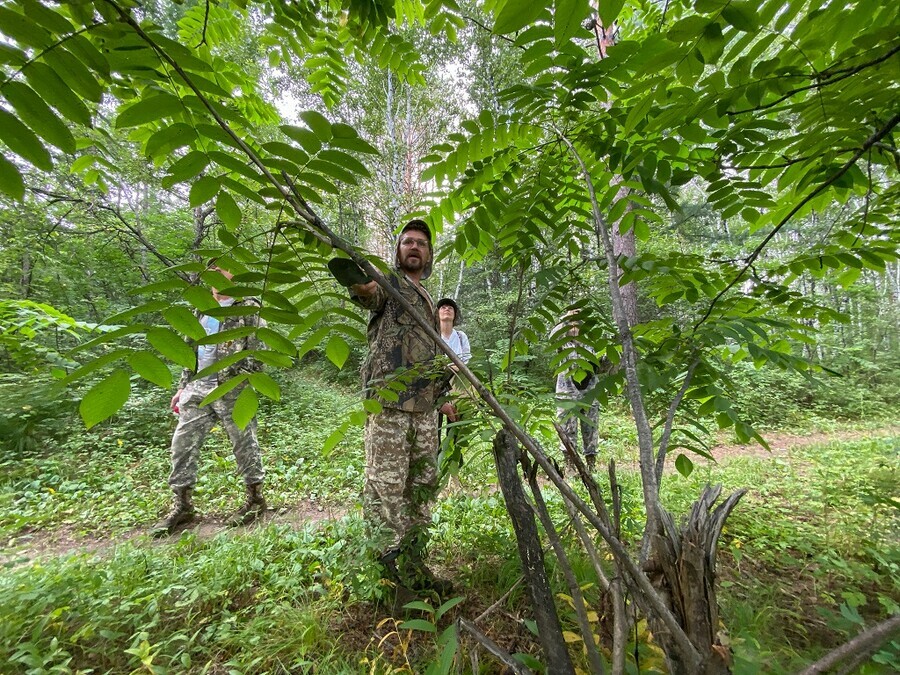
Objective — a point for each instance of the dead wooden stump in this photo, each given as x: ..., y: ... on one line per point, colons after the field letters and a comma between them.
x: 682, y: 567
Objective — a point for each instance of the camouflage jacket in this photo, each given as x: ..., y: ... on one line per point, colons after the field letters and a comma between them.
x: 401, y: 355
x: 239, y: 344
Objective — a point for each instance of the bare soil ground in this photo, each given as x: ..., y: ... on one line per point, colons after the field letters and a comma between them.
x: 66, y: 540
x: 782, y: 443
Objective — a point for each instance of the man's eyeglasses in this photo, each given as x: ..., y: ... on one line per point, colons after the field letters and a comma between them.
x: 409, y: 242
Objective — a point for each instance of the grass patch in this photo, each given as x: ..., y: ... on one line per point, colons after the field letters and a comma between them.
x: 809, y: 556
x: 113, y: 479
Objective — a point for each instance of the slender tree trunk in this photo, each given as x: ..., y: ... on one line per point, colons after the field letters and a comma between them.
x: 459, y: 280
x: 506, y: 456
x: 26, y: 274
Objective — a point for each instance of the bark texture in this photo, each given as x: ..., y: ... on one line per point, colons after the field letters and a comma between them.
x: 506, y: 456
x: 683, y: 570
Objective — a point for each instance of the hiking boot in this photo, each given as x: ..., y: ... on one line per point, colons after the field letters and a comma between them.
x: 591, y: 462
x: 254, y: 507
x: 388, y: 563
x: 182, y: 513
x: 418, y: 576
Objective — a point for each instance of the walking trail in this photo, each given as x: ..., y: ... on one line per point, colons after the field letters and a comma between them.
x: 43, y: 544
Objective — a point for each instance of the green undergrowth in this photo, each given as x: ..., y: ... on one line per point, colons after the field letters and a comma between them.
x: 113, y: 478
x: 810, y: 555
x: 254, y: 602
x: 807, y: 559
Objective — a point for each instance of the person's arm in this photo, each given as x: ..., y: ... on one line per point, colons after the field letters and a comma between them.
x: 369, y: 296
x: 465, y: 352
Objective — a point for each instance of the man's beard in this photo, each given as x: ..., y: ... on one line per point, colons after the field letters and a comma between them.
x: 408, y: 265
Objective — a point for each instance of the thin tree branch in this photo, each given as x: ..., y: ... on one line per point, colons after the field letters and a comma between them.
x: 866, y: 640
x: 629, y: 353
x: 670, y: 419
x: 492, y: 647
x: 489, y: 30
x: 481, y: 617
x: 594, y: 659
x: 849, y: 72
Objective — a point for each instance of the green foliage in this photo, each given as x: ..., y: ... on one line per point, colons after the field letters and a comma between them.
x: 112, y: 478
x: 34, y: 411
x: 816, y: 528
x: 262, y: 599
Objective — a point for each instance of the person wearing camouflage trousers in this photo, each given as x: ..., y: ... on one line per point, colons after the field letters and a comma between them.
x: 195, y: 422
x: 401, y: 440
x: 575, y: 385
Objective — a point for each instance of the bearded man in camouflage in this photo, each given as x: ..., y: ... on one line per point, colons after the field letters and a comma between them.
x: 194, y: 422
x: 401, y: 440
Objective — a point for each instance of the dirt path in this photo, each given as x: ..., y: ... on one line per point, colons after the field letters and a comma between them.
x: 28, y: 546
x: 781, y: 443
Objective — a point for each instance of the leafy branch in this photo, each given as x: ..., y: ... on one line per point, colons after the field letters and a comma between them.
x: 749, y: 260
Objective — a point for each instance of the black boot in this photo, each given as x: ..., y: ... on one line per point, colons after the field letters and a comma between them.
x: 182, y: 512
x: 388, y: 562
x: 416, y: 573
x: 253, y: 508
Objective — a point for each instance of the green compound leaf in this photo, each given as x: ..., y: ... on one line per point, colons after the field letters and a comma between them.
x: 567, y: 18
x: 38, y: 116
x: 11, y: 182
x: 185, y: 322
x: 609, y: 11
x: 276, y: 341
x: 337, y: 350
x: 265, y: 385
x: 516, y: 14
x: 22, y: 141
x: 741, y: 15
x: 684, y: 465
x: 228, y: 210
x: 168, y: 343
x: 51, y: 87
x: 149, y: 110
x: 223, y: 389
x: 203, y: 190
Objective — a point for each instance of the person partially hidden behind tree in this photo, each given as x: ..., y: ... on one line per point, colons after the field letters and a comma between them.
x: 194, y: 422
x: 449, y: 316
x: 401, y: 440
x: 575, y: 383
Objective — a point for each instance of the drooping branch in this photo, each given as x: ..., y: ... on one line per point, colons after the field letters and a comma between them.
x: 313, y: 224
x: 114, y: 211
x: 828, y: 79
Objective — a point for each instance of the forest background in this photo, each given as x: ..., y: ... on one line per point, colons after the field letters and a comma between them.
x: 711, y: 186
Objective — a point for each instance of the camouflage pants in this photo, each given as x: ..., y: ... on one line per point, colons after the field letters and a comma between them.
x: 401, y: 478
x: 194, y: 423
x: 569, y: 419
